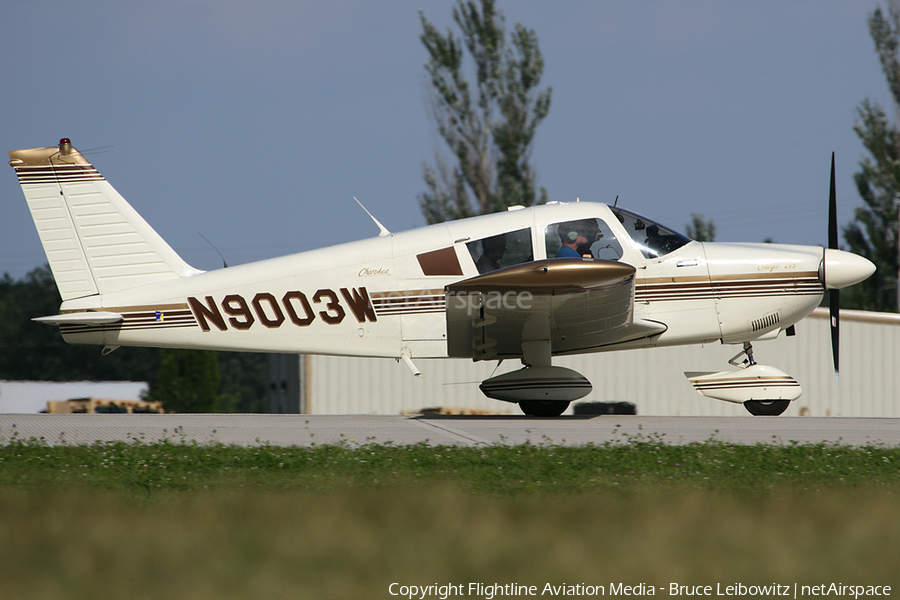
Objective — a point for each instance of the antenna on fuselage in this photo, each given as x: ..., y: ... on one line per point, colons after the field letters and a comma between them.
x: 616, y: 203
x: 382, y: 230
x: 224, y: 264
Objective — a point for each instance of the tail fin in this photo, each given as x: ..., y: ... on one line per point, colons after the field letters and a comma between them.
x: 95, y: 241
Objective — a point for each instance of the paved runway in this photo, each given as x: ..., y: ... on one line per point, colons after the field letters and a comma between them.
x: 305, y: 430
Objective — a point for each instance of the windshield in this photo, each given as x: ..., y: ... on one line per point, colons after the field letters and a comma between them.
x: 651, y: 238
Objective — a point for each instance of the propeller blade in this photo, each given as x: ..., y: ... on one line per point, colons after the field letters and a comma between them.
x: 832, y: 212
x: 834, y: 309
x: 834, y: 297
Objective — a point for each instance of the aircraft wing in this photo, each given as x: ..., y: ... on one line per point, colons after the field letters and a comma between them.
x: 577, y: 304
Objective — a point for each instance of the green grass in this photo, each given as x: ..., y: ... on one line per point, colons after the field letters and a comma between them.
x: 174, y: 520
x: 150, y: 468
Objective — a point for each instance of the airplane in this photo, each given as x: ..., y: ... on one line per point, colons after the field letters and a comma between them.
x: 527, y: 284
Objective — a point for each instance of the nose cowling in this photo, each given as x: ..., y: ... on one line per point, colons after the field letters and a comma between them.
x: 840, y: 269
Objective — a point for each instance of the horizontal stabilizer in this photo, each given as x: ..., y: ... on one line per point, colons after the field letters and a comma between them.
x: 81, y: 318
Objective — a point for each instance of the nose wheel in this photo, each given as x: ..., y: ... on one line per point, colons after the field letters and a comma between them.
x: 762, y: 389
x: 766, y: 408
x: 758, y: 408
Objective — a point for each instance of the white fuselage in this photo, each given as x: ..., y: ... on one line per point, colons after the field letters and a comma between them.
x: 384, y: 297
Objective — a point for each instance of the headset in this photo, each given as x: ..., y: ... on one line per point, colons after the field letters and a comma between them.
x: 567, y: 232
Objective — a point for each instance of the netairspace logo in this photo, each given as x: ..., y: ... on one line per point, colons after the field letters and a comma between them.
x: 489, y: 591
x: 473, y: 302
x: 777, y: 589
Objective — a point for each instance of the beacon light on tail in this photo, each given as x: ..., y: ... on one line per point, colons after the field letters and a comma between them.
x: 525, y: 285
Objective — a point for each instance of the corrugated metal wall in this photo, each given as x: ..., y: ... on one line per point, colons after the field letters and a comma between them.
x: 652, y: 379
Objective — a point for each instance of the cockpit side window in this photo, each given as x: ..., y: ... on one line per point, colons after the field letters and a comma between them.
x: 504, y: 250
x: 581, y: 238
x: 651, y: 238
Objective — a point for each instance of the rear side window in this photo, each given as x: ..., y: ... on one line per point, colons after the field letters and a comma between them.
x: 503, y: 250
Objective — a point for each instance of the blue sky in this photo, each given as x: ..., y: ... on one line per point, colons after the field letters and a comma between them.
x: 255, y: 123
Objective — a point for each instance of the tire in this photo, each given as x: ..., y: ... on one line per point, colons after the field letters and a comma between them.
x: 543, y: 408
x: 769, y: 408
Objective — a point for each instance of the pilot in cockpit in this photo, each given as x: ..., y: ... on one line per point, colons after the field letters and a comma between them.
x: 592, y: 235
x: 573, y: 239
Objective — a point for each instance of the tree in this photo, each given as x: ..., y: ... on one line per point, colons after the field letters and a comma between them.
x: 244, y: 376
x: 700, y: 229
x: 188, y: 381
x: 489, y: 129
x: 34, y: 351
x: 873, y: 231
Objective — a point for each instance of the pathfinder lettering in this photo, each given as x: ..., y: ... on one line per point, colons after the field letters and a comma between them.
x: 294, y: 307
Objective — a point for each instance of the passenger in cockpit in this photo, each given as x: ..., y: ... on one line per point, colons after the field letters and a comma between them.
x: 493, y: 249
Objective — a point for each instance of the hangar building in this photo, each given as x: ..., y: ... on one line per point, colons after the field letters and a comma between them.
x: 651, y: 379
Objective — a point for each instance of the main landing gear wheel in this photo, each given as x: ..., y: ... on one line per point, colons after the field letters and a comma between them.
x: 543, y: 408
x: 770, y: 408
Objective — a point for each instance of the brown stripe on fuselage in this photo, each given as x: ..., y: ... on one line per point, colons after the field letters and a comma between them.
x: 749, y: 285
x: 134, y: 309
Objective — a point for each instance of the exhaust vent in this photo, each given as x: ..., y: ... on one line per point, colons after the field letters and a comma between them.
x: 765, y: 322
